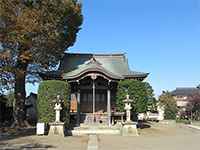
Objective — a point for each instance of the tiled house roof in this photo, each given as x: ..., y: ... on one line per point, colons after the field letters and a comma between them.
x: 185, y: 91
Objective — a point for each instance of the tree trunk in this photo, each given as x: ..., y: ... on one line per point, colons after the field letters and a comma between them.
x: 23, y: 60
x: 20, y: 95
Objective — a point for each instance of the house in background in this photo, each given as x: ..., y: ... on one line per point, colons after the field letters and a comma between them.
x: 182, y: 96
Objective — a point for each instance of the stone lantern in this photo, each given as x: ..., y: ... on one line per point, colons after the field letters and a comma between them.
x: 128, y: 108
x: 58, y: 108
x: 57, y: 127
x: 129, y: 127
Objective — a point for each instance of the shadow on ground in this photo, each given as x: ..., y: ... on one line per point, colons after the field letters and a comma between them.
x: 9, y: 133
x: 6, y: 146
x: 143, y: 124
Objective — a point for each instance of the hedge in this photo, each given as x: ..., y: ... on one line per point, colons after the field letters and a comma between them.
x: 47, y: 94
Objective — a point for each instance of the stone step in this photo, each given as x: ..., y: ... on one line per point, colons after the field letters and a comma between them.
x: 97, y: 125
x: 105, y: 131
x: 90, y: 118
x: 92, y: 142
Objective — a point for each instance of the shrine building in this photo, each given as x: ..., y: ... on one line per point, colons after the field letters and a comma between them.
x: 93, y: 79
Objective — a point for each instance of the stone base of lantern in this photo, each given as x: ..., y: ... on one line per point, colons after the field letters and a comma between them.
x: 129, y: 129
x: 57, y: 129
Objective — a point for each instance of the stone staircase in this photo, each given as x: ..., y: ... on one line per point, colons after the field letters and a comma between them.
x: 94, y: 124
x: 86, y: 129
x: 89, y: 118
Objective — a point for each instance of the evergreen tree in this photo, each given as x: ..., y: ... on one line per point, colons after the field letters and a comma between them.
x: 35, y: 31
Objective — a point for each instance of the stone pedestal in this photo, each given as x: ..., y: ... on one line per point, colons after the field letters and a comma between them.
x: 129, y: 129
x: 57, y: 129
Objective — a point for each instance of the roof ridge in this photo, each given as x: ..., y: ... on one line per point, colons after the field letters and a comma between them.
x: 97, y: 54
x: 109, y: 54
x: 186, y: 88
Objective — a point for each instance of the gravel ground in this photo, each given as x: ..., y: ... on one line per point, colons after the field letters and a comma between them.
x: 44, y: 143
x: 159, y: 137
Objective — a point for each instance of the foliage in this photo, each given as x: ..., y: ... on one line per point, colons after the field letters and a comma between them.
x: 193, y: 107
x: 140, y: 92
x: 36, y: 32
x: 47, y: 95
x: 41, y: 30
x: 3, y: 99
x: 152, y: 104
x: 185, y: 121
x: 169, y: 103
x: 8, y: 99
x: 6, y: 77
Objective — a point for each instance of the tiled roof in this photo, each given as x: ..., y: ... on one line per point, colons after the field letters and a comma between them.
x: 115, y: 65
x: 185, y: 91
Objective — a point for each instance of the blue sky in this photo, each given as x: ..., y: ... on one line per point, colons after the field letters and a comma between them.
x: 159, y: 36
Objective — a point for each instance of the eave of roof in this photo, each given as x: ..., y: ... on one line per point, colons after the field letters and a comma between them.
x: 134, y: 74
x: 89, y: 67
x: 115, y: 64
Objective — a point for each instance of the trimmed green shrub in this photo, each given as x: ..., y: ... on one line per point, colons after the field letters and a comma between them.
x: 183, y: 121
x: 140, y: 92
x: 47, y: 94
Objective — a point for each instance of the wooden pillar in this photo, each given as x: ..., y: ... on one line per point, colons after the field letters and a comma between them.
x: 78, y: 106
x: 93, y: 99
x: 109, y: 105
x: 93, y: 77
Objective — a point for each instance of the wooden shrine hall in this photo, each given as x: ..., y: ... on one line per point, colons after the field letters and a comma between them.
x: 93, y: 79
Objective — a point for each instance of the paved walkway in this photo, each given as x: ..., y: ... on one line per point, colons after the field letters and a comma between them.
x: 176, y: 137
x: 193, y: 126
x: 92, y: 142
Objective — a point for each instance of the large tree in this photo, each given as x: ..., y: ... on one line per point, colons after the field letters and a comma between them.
x: 35, y: 31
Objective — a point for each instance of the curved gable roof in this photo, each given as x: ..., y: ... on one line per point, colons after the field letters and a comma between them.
x: 90, y: 66
x: 113, y: 65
